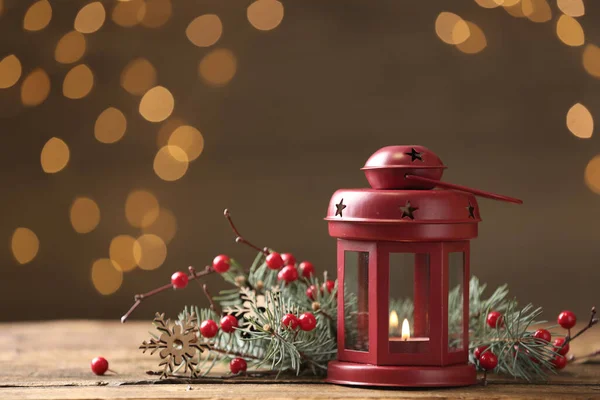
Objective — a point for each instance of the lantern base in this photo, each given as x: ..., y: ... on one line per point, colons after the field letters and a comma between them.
x: 354, y: 374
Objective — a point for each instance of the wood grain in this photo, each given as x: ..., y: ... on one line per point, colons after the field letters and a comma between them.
x: 50, y: 360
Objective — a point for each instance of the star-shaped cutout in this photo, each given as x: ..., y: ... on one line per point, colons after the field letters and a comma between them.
x: 408, y: 210
x: 415, y: 155
x: 471, y: 210
x: 340, y: 207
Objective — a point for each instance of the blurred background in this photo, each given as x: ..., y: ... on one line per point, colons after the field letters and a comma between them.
x: 128, y: 126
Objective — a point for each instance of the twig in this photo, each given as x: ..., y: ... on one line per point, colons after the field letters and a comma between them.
x: 236, y: 354
x: 584, y: 357
x: 593, y: 321
x: 140, y: 297
x: 213, y: 306
x: 239, y: 238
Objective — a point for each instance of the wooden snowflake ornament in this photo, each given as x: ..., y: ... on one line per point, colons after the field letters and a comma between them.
x: 178, y: 345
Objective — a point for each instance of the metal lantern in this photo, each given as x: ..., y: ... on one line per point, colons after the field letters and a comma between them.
x: 403, y: 273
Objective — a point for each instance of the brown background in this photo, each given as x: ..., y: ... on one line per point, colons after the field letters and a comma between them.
x: 310, y: 102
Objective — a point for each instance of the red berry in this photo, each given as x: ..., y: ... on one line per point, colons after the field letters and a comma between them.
x: 289, y: 321
x: 558, y: 343
x: 307, y: 321
x: 229, y: 323
x: 329, y: 285
x: 288, y: 274
x: 559, y: 362
x: 288, y: 259
x: 208, y: 328
x: 567, y: 319
x: 488, y: 361
x: 494, y: 319
x: 99, y: 365
x: 479, y: 351
x: 274, y: 261
x: 179, y: 280
x: 306, y: 269
x: 543, y: 335
x: 237, y: 365
x: 311, y: 292
x: 221, y: 263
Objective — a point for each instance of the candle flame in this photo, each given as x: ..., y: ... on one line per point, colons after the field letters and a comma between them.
x: 405, y: 329
x: 393, y: 319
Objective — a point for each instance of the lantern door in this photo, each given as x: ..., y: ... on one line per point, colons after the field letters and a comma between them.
x: 409, y: 297
x: 456, y: 305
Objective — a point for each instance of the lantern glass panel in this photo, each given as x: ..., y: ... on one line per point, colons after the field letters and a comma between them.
x: 356, y: 300
x: 456, y: 268
x: 408, y: 325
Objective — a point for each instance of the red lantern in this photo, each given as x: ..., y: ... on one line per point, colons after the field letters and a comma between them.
x: 403, y: 273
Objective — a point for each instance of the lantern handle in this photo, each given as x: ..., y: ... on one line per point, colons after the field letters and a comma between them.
x: 476, y: 192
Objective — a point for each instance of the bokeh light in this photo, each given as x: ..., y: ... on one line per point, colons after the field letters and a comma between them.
x: 138, y: 76
x: 55, y: 155
x: 580, y: 121
x: 591, y: 60
x: 157, y: 13
x: 78, y: 82
x: 129, y: 13
x: 90, y: 18
x: 10, y: 71
x: 569, y: 31
x: 70, y: 48
x: 110, y: 125
x: 573, y: 8
x: 166, y: 129
x: 170, y: 163
x: 476, y: 41
x: 218, y: 67
x: 510, y: 3
x: 204, y: 30
x: 106, y: 278
x: 592, y: 174
x: 451, y: 28
x: 489, y: 3
x: 188, y: 139
x: 84, y: 215
x: 35, y: 88
x: 149, y: 251
x: 265, y: 15
x: 157, y: 104
x: 121, y: 252
x: 141, y: 208
x: 24, y: 245
x: 38, y: 16
x: 514, y: 8
x: 537, y: 10
x: 165, y: 226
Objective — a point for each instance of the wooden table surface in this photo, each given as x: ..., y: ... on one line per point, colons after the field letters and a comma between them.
x: 50, y: 360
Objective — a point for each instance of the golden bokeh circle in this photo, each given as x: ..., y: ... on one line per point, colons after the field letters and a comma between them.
x: 149, y: 251
x: 24, y: 245
x: 10, y: 71
x: 156, y: 13
x: 110, y: 125
x: 106, y: 278
x: 157, y: 104
x: 572, y: 8
x: 205, y: 30
x: 592, y: 174
x: 188, y: 139
x: 489, y: 3
x: 141, y: 208
x: 84, y: 215
x: 218, y: 67
x: 591, y: 60
x: 38, y: 16
x: 580, y: 121
x: 90, y: 18
x: 265, y: 15
x: 138, y: 76
x: 166, y: 129
x: 121, y: 252
x: 537, y: 10
x: 165, y: 226
x: 451, y: 28
x: 171, y: 163
x: 569, y: 31
x: 70, y: 48
x: 78, y: 82
x: 129, y: 13
x: 55, y: 155
x: 35, y: 88
x: 476, y: 41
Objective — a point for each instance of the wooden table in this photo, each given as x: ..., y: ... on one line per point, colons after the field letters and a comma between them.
x: 50, y: 360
